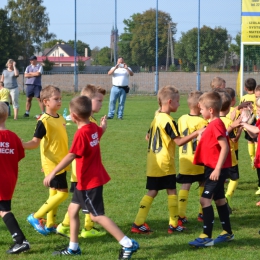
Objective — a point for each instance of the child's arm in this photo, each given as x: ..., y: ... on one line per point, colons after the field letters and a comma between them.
x: 238, y: 134
x: 252, y: 130
x: 63, y: 164
x: 34, y: 143
x: 185, y: 139
x: 234, y: 124
x: 103, y: 123
x: 221, y: 159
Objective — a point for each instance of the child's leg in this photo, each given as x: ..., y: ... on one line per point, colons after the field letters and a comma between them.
x: 201, y: 189
x: 144, y: 208
x: 233, y: 174
x: 208, y: 216
x: 73, y: 211
x: 183, y: 199
x: 224, y: 215
x: 251, y: 151
x: 51, y: 215
x: 173, y: 207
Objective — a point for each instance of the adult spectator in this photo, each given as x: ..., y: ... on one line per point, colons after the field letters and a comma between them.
x: 9, y: 77
x: 120, y: 80
x: 33, y: 73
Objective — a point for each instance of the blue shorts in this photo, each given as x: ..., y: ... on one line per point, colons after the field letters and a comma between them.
x: 33, y: 90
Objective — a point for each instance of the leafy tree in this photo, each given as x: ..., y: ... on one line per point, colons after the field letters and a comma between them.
x: 103, y: 57
x: 47, y: 64
x: 31, y: 22
x: 51, y: 43
x: 80, y: 47
x: 213, y: 44
x: 137, y: 43
x: 94, y: 54
x: 81, y: 65
x: 9, y: 40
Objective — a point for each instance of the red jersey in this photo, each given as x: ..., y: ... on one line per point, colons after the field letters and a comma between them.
x: 11, y: 152
x: 208, y: 149
x: 257, y: 156
x: 89, y: 168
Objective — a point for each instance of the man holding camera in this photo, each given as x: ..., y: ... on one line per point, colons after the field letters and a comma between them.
x: 120, y: 80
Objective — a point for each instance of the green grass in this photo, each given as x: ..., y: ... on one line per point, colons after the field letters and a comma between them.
x: 124, y: 156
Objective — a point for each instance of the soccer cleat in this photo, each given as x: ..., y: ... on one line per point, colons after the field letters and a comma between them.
x: 37, y: 224
x: 63, y: 230
x: 51, y: 230
x: 26, y: 115
x: 200, y: 217
x: 224, y: 237
x: 19, y: 248
x: 126, y: 252
x: 94, y: 232
x: 202, y: 242
x: 142, y: 229
x: 67, y: 251
x: 258, y: 191
x: 183, y: 220
x: 179, y: 228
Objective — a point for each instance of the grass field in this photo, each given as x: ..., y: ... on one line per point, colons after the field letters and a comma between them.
x: 124, y: 156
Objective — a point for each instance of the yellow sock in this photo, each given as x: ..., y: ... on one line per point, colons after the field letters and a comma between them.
x: 251, y: 151
x: 173, y: 210
x: 182, y: 202
x: 50, y: 215
x: 231, y: 187
x: 143, y: 211
x: 201, y: 189
x: 89, y: 224
x: 52, y: 203
x: 66, y: 220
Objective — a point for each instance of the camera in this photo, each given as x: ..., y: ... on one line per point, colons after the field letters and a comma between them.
x: 121, y: 65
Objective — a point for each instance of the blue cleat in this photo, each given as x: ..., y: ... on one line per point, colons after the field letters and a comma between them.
x: 126, y: 252
x: 37, y: 225
x: 202, y: 241
x: 50, y: 230
x: 224, y: 237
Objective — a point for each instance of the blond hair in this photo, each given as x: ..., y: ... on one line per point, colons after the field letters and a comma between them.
x: 3, y: 111
x: 81, y: 106
x: 212, y: 100
x: 217, y: 82
x: 91, y: 90
x: 193, y: 99
x: 166, y: 93
x: 9, y: 61
x: 48, y: 91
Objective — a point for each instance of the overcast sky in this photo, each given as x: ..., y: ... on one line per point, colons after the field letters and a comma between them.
x: 95, y: 19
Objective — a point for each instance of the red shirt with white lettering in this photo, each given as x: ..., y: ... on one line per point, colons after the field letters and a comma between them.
x: 11, y: 152
x: 89, y: 168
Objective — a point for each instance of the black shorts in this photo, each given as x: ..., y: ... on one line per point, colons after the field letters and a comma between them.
x: 59, y: 182
x: 73, y: 186
x: 5, y: 205
x: 249, y: 138
x: 236, y: 152
x: 214, y: 189
x: 233, y: 173
x: 33, y: 90
x: 90, y: 201
x: 161, y: 183
x: 183, y: 178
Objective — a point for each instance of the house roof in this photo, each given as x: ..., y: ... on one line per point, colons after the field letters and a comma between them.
x: 62, y: 59
x: 65, y: 47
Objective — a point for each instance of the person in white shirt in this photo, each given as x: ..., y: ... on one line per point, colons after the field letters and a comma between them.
x: 120, y: 80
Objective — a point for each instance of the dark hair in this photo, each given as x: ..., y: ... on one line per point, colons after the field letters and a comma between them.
x: 81, y: 106
x: 250, y: 84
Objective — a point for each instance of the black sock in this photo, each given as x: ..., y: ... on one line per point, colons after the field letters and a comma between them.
x: 208, y: 220
x: 13, y: 227
x: 258, y: 175
x: 224, y: 218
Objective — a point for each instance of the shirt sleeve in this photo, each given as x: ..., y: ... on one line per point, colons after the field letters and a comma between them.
x: 40, y: 130
x: 173, y: 132
x: 26, y: 70
x: 40, y: 69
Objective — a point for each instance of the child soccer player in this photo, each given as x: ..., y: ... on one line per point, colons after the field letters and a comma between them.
x: 11, y: 152
x: 51, y: 135
x: 217, y: 82
x: 161, y: 174
x: 188, y: 172
x: 5, y: 96
x: 233, y: 172
x: 91, y: 176
x: 213, y: 152
x: 96, y: 94
x: 250, y: 85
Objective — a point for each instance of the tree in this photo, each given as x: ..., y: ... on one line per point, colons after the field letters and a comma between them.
x: 137, y: 43
x: 81, y: 65
x: 213, y: 45
x: 47, y: 64
x: 80, y: 47
x: 31, y: 21
x: 8, y: 39
x: 51, y: 43
x: 103, y: 57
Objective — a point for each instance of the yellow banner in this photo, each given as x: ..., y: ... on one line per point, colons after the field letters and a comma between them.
x: 250, y: 29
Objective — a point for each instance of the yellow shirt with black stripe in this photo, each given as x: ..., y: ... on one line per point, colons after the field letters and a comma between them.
x: 227, y: 122
x: 73, y: 177
x: 161, y: 147
x: 4, y: 95
x: 54, y: 141
x: 187, y: 124
x: 251, y: 98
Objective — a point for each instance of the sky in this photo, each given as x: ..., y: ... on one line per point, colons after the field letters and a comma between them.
x: 95, y: 19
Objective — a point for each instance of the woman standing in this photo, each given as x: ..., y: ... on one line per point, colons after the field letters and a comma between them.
x: 9, y: 77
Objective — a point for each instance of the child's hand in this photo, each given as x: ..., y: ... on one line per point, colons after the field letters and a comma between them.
x: 237, y: 122
x: 47, y: 180
x: 147, y: 136
x: 214, y: 175
x: 103, y: 123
